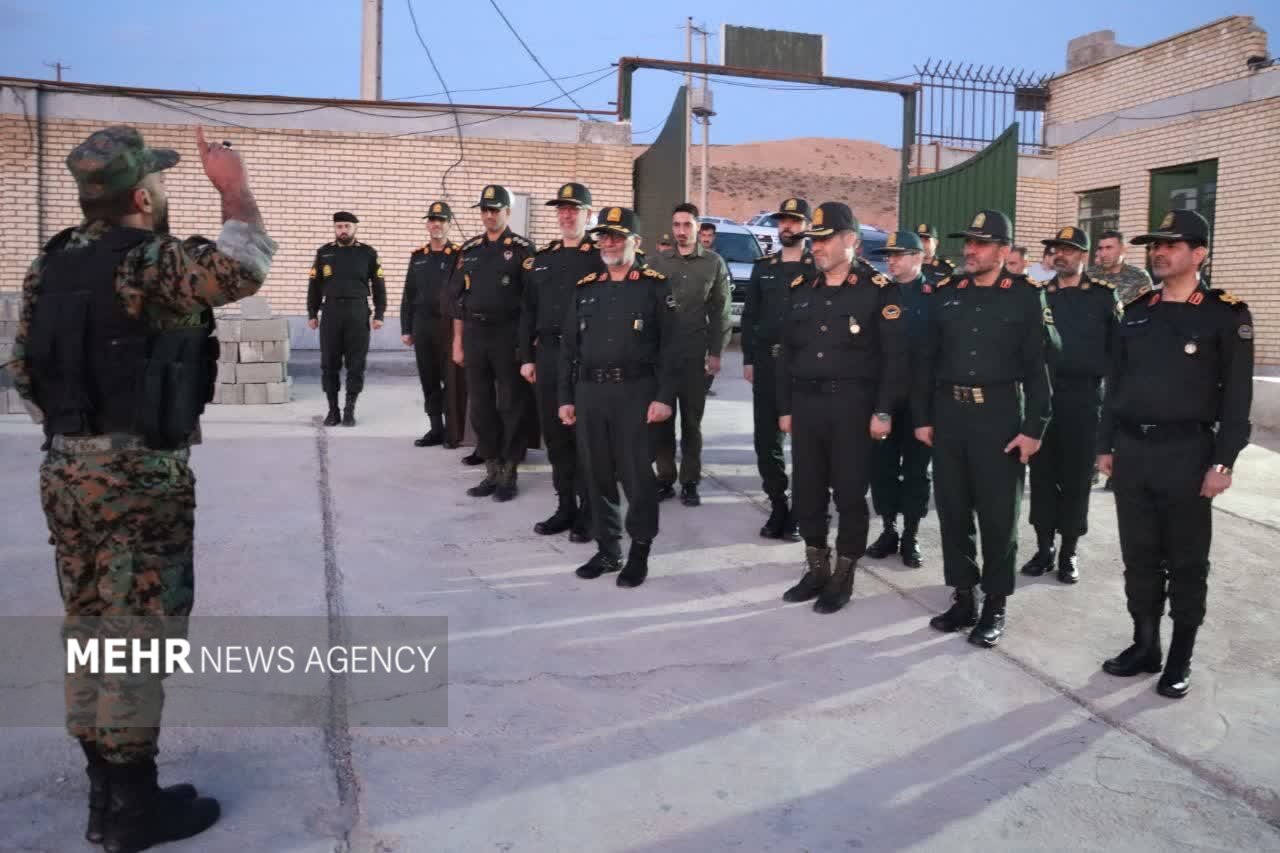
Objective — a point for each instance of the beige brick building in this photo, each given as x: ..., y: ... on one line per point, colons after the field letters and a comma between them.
x: 383, y: 161
x: 1191, y: 121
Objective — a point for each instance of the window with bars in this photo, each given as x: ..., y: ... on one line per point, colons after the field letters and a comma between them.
x: 1099, y: 210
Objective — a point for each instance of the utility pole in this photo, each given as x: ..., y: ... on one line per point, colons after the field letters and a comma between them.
x: 688, y: 109
x: 371, y: 52
x: 59, y: 68
x: 706, y: 128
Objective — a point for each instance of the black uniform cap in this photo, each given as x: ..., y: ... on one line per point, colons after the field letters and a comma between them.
x: 575, y: 194
x: 796, y: 207
x: 344, y: 216
x: 924, y: 229
x: 899, y: 243
x: 988, y: 226
x: 617, y: 220
x: 439, y: 210
x: 1178, y: 226
x: 493, y: 197
x: 830, y: 217
x: 1069, y: 236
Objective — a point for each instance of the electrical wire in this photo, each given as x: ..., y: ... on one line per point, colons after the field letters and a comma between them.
x: 457, y: 120
x: 505, y: 86
x: 534, y: 56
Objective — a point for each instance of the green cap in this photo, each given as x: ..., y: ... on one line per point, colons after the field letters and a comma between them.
x: 924, y: 229
x: 900, y: 243
x: 114, y: 161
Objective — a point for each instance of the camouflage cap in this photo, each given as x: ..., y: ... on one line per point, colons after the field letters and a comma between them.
x: 115, y: 160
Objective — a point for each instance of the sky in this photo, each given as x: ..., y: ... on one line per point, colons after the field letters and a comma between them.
x: 312, y: 49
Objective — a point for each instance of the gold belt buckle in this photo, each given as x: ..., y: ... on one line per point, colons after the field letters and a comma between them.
x: 775, y: 350
x: 977, y: 395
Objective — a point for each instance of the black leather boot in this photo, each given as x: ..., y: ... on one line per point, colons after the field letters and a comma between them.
x: 562, y: 519
x: 839, y: 589
x: 666, y: 491
x: 637, y: 567
x: 887, y: 542
x: 990, y: 624
x: 488, y: 485
x: 1042, y: 560
x: 601, y: 563
x: 506, y: 483
x: 778, y: 515
x: 963, y: 613
x: 909, y: 547
x: 334, y: 417
x: 689, y: 494
x: 99, y: 773
x: 141, y: 816
x: 433, y: 436
x: 1175, y: 682
x: 1068, y: 565
x: 580, y: 533
x: 1143, y: 656
x: 817, y: 573
x: 349, y: 413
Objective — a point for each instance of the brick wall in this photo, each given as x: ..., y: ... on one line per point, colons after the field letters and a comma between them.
x: 300, y: 178
x: 1037, y: 213
x: 1214, y: 53
x: 1247, y: 217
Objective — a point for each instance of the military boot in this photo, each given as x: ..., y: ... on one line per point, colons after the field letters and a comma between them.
x: 600, y: 564
x: 99, y: 773
x: 506, y: 489
x: 637, y: 567
x: 990, y: 625
x: 887, y: 542
x: 774, y: 526
x: 334, y: 417
x: 349, y: 413
x: 433, y: 436
x: 580, y: 533
x: 1143, y: 656
x: 472, y: 459
x: 817, y: 573
x: 839, y: 589
x: 1068, y: 566
x: 488, y: 485
x: 1175, y: 682
x: 141, y: 816
x: 561, y: 520
x: 1042, y: 560
x: 909, y: 546
x: 963, y: 613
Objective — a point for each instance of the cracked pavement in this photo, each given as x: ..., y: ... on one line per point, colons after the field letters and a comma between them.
x: 696, y: 713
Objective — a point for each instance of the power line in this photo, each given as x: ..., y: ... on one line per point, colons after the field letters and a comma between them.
x: 59, y: 68
x: 534, y: 56
x: 457, y: 121
x: 505, y: 86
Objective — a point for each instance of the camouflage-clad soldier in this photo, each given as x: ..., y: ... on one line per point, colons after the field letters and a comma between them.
x: 1127, y: 278
x: 106, y: 304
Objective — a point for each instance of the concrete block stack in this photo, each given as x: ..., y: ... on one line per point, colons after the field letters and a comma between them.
x: 253, y: 368
x: 10, y: 403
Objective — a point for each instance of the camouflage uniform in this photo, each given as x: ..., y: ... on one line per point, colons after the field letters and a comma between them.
x: 121, y: 516
x: 1128, y: 281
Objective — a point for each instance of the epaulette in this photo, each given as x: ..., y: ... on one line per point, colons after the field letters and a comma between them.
x: 551, y: 247
x: 879, y: 280
x: 421, y: 250
x: 472, y: 243
x: 797, y: 281
x: 519, y: 241
x: 1103, y: 282
x: 1024, y: 277
x: 1230, y: 298
x: 586, y: 279
x: 766, y: 259
x: 943, y: 282
x: 650, y: 272
x: 1141, y: 292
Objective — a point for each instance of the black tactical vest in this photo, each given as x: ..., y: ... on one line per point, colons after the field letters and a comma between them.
x: 95, y: 369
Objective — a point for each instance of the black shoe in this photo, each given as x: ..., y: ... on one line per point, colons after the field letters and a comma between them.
x: 349, y: 416
x: 991, y: 624
x: 334, y: 417
x: 473, y: 459
x: 579, y: 536
x: 488, y: 485
x: 839, y: 589
x: 99, y: 773
x: 600, y: 564
x: 689, y: 494
x: 886, y: 543
x: 666, y: 491
x: 817, y: 573
x: 433, y: 438
x: 1143, y: 656
x: 1175, y: 682
x: 141, y: 815
x: 909, y: 545
x: 1042, y: 560
x: 506, y: 489
x: 776, y: 526
x: 963, y: 613
x: 1068, y: 564
x: 561, y: 520
x: 637, y: 567
x: 449, y: 444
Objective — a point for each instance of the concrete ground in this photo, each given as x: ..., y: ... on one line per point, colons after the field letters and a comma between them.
x: 696, y: 713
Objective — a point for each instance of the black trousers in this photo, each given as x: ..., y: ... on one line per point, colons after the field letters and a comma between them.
x: 831, y: 454
x: 771, y: 458
x: 1165, y: 526
x: 973, y: 475
x: 1062, y: 472
x: 559, y: 440
x: 431, y: 348
x: 900, y: 470
x: 497, y: 400
x: 615, y: 444
x: 691, y: 402
x: 344, y: 340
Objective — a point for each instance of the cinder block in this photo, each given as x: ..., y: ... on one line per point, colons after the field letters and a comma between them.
x: 255, y: 308
x: 277, y: 392
x: 226, y: 373
x: 255, y: 395
x: 251, y: 352
x: 275, y: 351
x: 228, y: 331
x: 229, y: 395
x: 275, y: 329
x: 247, y: 374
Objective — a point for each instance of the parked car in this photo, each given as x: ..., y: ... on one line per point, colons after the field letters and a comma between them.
x: 873, y: 238
x: 765, y: 227
x: 740, y: 250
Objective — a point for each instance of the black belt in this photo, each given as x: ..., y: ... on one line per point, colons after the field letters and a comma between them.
x: 775, y: 350
x: 1168, y: 431
x: 977, y: 394
x: 826, y: 386
x: 615, y: 374
x: 490, y: 319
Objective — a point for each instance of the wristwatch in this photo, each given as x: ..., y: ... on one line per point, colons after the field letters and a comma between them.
x: 1221, y: 469
x: 883, y: 417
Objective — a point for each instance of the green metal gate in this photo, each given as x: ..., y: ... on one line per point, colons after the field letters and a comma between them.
x: 948, y: 199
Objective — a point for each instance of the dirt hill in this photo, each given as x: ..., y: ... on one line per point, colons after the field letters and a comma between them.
x: 755, y: 176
